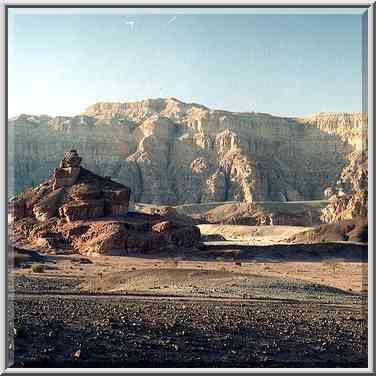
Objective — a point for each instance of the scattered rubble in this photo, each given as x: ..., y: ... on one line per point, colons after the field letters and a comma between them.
x: 110, y: 333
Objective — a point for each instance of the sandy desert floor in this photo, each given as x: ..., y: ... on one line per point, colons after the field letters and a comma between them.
x: 155, y: 273
x: 245, y: 251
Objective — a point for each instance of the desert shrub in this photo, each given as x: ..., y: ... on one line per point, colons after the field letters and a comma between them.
x: 37, y: 268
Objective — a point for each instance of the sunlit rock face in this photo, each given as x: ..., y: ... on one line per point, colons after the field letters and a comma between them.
x: 172, y: 152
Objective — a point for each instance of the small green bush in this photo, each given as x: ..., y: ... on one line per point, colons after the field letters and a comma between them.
x: 37, y: 268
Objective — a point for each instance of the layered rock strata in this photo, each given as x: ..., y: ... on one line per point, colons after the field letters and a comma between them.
x: 170, y: 152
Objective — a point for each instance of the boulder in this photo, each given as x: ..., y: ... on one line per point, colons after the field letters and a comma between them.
x: 162, y: 227
x: 102, y: 238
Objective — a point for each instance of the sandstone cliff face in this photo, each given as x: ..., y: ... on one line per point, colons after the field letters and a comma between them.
x: 351, y: 128
x: 172, y: 152
x: 349, y: 194
x: 350, y: 199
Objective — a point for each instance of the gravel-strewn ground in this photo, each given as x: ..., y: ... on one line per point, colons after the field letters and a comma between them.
x: 99, y: 332
x: 186, y: 282
x: 190, y: 282
x: 27, y: 283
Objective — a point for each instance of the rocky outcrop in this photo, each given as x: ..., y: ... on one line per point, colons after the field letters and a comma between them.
x: 89, y: 214
x: 69, y: 170
x: 260, y: 214
x: 170, y: 152
x: 350, y: 198
x: 354, y: 230
x: 99, y: 238
x: 349, y: 194
x: 346, y: 207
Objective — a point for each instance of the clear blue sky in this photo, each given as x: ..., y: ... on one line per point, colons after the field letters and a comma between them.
x: 283, y: 64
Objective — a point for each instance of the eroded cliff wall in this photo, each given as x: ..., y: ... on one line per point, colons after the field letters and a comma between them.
x: 172, y: 152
